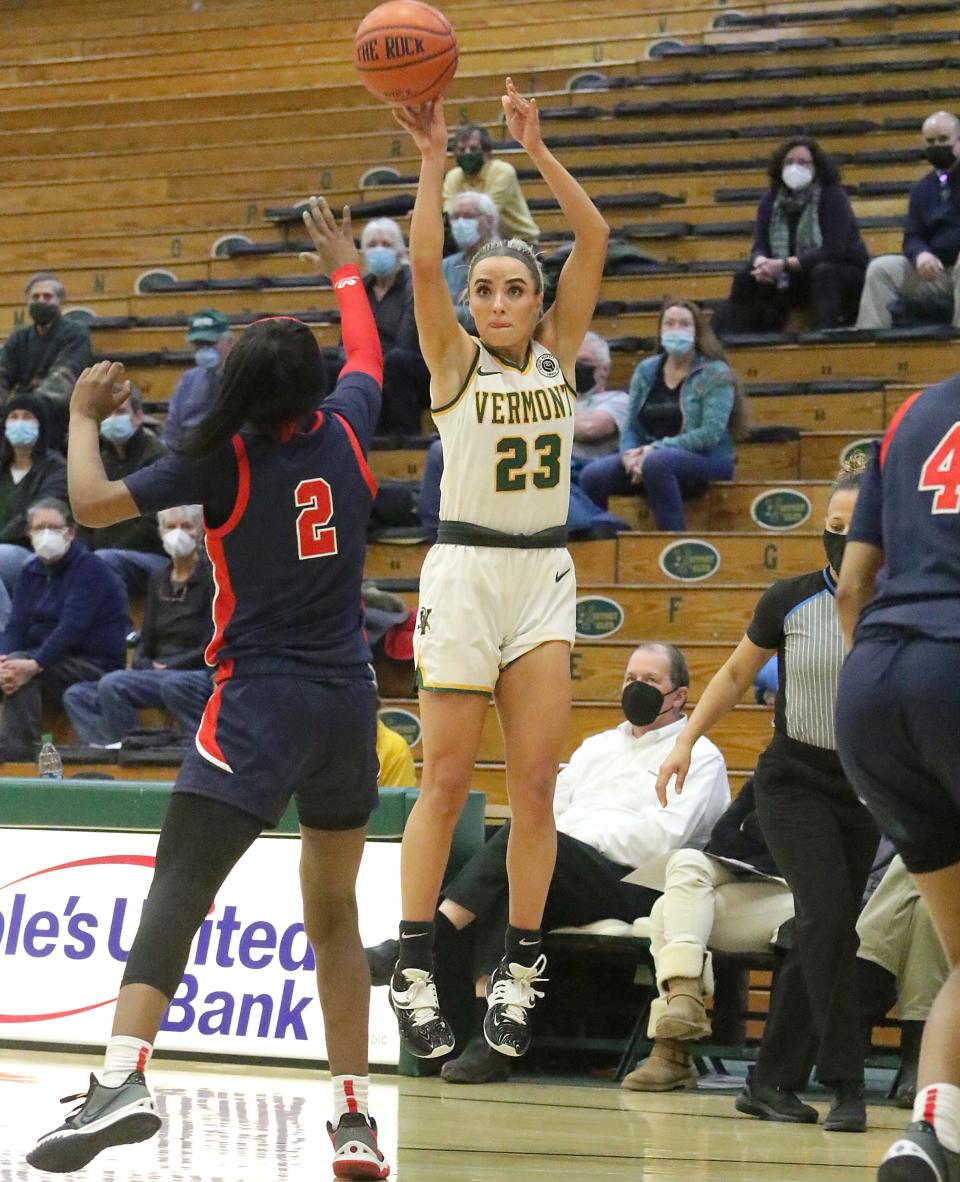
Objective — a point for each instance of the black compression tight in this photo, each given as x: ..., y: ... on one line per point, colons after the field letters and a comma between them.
x: 200, y: 842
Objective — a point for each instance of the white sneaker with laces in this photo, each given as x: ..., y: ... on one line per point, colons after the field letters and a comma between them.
x: 424, y: 1031
x: 510, y: 997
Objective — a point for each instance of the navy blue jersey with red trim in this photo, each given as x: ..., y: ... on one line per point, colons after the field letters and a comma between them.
x: 286, y: 531
x: 909, y: 506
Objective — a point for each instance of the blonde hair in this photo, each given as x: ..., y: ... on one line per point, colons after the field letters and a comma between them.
x: 512, y: 248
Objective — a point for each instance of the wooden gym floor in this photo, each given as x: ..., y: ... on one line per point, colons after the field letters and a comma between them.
x: 245, y: 1124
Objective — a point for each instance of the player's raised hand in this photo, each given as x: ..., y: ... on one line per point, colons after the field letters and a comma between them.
x: 676, y: 764
x: 333, y: 245
x: 427, y: 126
x: 523, y: 118
x: 99, y: 391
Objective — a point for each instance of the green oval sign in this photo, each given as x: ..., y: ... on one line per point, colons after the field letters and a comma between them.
x: 690, y: 561
x: 852, y: 449
x: 598, y: 616
x: 781, y: 508
x: 404, y: 723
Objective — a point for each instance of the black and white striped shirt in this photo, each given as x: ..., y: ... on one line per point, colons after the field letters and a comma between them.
x: 798, y: 617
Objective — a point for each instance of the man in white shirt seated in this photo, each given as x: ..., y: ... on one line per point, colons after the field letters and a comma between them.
x: 609, y: 824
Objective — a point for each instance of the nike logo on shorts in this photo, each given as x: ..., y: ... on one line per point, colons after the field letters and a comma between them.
x: 558, y: 576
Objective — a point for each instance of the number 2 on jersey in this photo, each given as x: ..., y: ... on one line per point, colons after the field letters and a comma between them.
x: 314, y: 499
x: 511, y: 476
x: 941, y: 473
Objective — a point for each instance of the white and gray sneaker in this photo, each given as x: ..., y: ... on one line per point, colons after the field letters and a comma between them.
x: 510, y: 998
x: 919, y: 1157
x: 424, y: 1032
x: 107, y: 1116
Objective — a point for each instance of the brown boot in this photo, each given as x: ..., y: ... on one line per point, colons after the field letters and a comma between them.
x: 669, y: 1069
x: 685, y: 1015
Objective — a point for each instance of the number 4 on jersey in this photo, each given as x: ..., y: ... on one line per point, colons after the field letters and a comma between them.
x: 941, y: 473
x: 315, y: 501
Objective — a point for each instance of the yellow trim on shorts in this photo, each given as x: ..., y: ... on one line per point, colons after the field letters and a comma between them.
x: 442, y: 410
x: 453, y: 689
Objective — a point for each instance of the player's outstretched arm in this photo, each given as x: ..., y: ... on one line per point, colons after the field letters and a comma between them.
x: 94, y: 499
x: 578, y: 288
x: 726, y: 688
x: 446, y: 347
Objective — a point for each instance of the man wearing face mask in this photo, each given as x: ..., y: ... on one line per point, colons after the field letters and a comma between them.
x: 406, y: 379
x: 46, y: 356
x: 473, y: 223
x: 478, y: 172
x: 927, y: 269
x: 68, y: 623
x: 609, y: 824
x: 601, y: 414
x: 168, y: 666
x: 208, y: 332
x: 131, y: 549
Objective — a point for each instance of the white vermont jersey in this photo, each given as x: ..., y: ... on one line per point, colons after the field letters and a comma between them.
x: 507, y: 441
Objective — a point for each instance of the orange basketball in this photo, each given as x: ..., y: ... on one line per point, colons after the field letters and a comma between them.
x: 405, y: 52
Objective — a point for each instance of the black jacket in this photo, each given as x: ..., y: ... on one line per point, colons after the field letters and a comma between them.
x: 394, y: 313
x: 140, y: 533
x: 933, y: 218
x: 737, y: 834
x: 839, y: 229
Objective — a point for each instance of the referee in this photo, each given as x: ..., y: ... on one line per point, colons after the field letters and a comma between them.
x: 820, y: 835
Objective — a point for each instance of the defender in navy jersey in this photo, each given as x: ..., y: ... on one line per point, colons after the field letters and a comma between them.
x: 819, y: 834
x: 286, y: 491
x: 898, y: 717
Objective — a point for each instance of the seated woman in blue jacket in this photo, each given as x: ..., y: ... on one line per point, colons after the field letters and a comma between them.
x: 686, y: 409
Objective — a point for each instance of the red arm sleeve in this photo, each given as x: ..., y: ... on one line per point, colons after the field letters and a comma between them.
x: 361, y: 341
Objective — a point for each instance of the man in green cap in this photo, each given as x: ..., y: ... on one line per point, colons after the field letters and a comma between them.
x: 209, y: 332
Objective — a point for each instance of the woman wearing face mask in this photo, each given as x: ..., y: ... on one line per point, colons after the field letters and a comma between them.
x: 406, y: 380
x: 819, y: 834
x: 168, y: 661
x: 29, y: 470
x: 686, y: 409
x: 497, y: 591
x: 807, y: 249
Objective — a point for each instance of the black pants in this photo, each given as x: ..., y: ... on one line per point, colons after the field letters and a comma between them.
x: 831, y: 291
x: 406, y: 391
x: 586, y: 886
x: 824, y: 842
x: 23, y: 710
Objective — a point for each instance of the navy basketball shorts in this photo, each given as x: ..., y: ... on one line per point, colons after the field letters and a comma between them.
x: 898, y: 736
x: 264, y: 740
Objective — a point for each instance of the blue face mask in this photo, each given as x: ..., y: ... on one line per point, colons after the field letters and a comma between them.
x: 207, y: 357
x: 465, y: 231
x: 21, y: 433
x: 677, y: 340
x: 117, y: 428
x: 380, y: 260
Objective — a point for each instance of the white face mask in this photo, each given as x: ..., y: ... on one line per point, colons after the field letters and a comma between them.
x: 49, y: 544
x: 178, y: 543
x: 796, y: 176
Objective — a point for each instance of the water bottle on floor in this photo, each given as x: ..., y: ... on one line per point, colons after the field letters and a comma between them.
x: 49, y: 763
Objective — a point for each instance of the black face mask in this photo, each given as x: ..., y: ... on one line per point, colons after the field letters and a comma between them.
x: 941, y: 156
x: 585, y: 378
x: 43, y: 314
x: 642, y: 703
x: 470, y: 162
x: 834, y: 544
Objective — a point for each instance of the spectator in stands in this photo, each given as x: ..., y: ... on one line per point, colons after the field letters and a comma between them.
x: 406, y: 380
x: 609, y: 823
x: 478, y: 172
x: 209, y: 331
x: 686, y: 409
x: 601, y: 414
x: 131, y: 549
x: 926, y: 273
x: 177, y: 626
x: 29, y: 471
x: 46, y: 357
x: 395, y: 758
x: 765, y: 683
x: 807, y: 248
x: 821, y: 836
x: 68, y: 624
x: 473, y: 223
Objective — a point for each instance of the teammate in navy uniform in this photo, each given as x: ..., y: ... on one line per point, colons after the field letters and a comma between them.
x: 286, y: 492
x: 898, y: 717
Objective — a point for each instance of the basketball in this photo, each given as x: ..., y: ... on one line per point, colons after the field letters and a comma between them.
x: 405, y: 52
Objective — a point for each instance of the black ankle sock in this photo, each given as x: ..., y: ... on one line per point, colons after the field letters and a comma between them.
x: 416, y: 946
x: 522, y: 945
x: 479, y: 1013
x: 443, y: 928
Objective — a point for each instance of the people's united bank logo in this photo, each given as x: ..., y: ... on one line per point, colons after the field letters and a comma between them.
x: 547, y: 365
